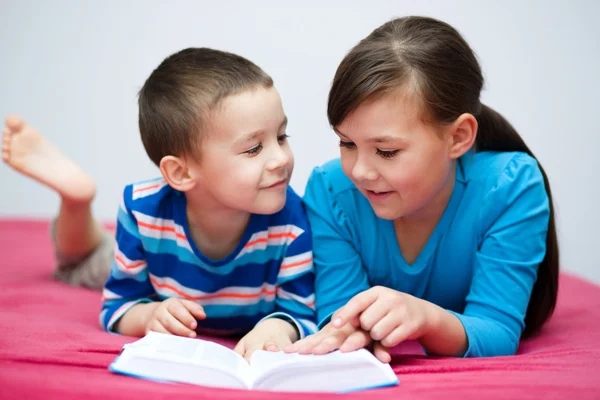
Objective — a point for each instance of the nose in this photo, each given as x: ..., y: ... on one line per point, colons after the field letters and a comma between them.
x: 279, y: 159
x: 362, y: 171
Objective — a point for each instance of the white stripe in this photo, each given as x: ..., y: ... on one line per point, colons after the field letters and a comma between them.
x: 292, y: 296
x: 128, y: 263
x: 184, y: 292
x: 298, y: 269
x: 266, y: 241
x: 108, y: 295
x: 175, y: 232
x: 140, y: 190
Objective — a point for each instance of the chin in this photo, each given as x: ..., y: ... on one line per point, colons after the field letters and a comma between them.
x: 270, y: 206
x: 386, y: 213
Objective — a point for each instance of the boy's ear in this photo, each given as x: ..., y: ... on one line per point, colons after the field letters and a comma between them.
x: 177, y: 174
x: 463, y: 133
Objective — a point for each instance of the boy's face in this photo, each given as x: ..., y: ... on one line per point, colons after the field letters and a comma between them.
x: 245, y: 161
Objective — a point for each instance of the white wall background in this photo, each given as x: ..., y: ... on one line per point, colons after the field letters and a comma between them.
x: 73, y: 69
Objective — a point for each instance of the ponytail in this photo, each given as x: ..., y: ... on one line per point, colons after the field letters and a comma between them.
x: 495, y: 133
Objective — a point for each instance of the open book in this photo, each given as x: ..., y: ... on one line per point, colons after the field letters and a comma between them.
x: 171, y: 358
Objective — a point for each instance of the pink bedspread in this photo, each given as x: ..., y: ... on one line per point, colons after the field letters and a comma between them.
x: 51, y: 345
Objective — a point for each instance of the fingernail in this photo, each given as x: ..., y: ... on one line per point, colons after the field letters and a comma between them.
x: 337, y: 322
x: 192, y: 334
x: 193, y: 325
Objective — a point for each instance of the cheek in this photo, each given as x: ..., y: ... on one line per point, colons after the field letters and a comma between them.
x: 290, y: 154
x: 347, y: 159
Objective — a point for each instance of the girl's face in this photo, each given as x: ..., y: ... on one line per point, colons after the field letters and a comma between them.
x: 401, y: 164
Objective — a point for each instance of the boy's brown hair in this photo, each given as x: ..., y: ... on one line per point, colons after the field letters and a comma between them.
x: 177, y: 98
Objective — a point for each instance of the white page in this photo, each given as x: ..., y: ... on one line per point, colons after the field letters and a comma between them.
x: 194, y: 351
x: 279, y: 370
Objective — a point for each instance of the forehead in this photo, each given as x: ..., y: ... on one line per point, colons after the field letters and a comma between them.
x: 398, y: 111
x: 236, y: 116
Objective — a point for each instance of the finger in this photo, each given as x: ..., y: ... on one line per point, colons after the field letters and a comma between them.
x: 329, y: 344
x: 180, y: 311
x: 373, y: 314
x: 240, y: 348
x: 398, y: 335
x: 271, y: 346
x: 354, y: 307
x: 195, y: 309
x: 385, y: 326
x: 155, y: 326
x: 355, y: 341
x: 250, y: 350
x: 382, y: 352
x: 305, y: 345
x: 174, y: 326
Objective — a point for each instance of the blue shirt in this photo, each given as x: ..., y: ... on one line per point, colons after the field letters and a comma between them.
x: 480, y: 262
x: 270, y: 273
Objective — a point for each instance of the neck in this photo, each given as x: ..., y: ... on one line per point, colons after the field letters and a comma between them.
x: 216, y: 230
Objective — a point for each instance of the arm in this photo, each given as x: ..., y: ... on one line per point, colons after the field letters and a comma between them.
x: 295, y: 297
x: 515, y: 218
x: 128, y: 296
x: 339, y: 270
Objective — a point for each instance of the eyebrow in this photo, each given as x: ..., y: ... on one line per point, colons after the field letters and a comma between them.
x: 253, y: 135
x: 387, y: 139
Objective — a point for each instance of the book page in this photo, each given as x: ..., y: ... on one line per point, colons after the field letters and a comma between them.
x: 335, y: 371
x: 194, y: 351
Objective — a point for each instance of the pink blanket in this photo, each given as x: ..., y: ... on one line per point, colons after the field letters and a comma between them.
x: 51, y: 345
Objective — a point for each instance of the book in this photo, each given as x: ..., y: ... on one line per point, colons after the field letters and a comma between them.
x: 169, y: 358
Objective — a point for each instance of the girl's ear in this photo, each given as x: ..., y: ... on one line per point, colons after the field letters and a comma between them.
x: 463, y: 133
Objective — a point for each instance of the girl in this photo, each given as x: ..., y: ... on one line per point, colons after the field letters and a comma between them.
x: 437, y: 222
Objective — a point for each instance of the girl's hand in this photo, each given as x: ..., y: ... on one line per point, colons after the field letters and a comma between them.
x: 330, y: 338
x: 389, y: 316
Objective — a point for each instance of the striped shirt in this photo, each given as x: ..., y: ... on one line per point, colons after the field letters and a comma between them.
x: 269, y: 274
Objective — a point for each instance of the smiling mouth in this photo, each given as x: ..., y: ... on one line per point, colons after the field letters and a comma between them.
x: 376, y: 192
x: 277, y: 184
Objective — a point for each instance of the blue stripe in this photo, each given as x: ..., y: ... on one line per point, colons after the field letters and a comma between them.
x: 164, y: 247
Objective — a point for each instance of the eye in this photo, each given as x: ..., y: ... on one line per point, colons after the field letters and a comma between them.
x: 282, y: 138
x: 347, y: 145
x: 255, y: 150
x: 387, y: 153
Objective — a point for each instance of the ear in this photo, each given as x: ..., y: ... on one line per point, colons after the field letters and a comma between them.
x: 176, y: 172
x: 462, y: 135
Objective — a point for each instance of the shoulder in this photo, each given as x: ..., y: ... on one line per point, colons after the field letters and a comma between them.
x: 505, y: 181
x: 493, y: 169
x: 332, y: 177
x: 148, y: 196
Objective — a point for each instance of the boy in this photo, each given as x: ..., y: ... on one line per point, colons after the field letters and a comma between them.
x: 219, y: 244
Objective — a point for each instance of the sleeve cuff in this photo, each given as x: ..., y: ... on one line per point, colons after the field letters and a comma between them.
x: 116, y: 316
x: 324, y: 321
x: 288, y: 318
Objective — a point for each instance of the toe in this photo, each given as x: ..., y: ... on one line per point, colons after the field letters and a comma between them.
x: 14, y: 123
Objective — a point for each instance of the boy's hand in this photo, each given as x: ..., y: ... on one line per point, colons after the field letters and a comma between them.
x: 175, y: 316
x: 272, y: 334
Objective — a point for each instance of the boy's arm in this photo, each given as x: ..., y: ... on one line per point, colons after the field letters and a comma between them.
x: 295, y: 297
x: 128, y: 289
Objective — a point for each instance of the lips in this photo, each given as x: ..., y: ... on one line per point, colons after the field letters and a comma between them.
x: 377, y: 196
x: 277, y: 184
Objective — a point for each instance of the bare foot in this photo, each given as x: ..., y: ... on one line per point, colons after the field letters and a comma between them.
x: 28, y: 152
